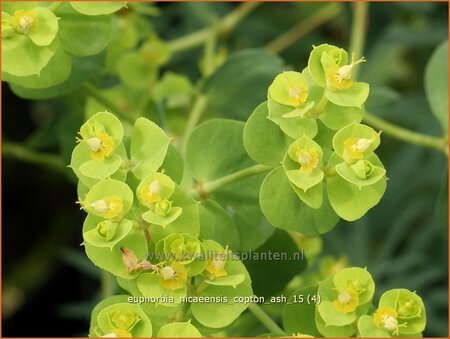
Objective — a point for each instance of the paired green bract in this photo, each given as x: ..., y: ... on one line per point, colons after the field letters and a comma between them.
x: 310, y: 125
x: 143, y: 228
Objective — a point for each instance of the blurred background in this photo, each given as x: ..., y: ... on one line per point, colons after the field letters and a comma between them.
x: 49, y: 286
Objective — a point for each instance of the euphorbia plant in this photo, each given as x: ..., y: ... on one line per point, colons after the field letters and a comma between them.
x: 167, y: 213
x: 144, y: 228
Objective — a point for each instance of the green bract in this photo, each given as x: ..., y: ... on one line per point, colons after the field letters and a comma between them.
x: 100, y: 152
x: 344, y: 297
x: 355, y: 142
x: 293, y: 125
x: 148, y: 148
x: 110, y: 199
x: 97, y: 8
x: 29, y: 42
x: 184, y: 249
x: 328, y: 67
x: 303, y: 162
x: 154, y: 192
x: 179, y: 330
x: 115, y: 317
x: 110, y: 254
x: 330, y: 55
x: 39, y: 43
x: 262, y: 148
x: 236, y: 283
x: 400, y: 313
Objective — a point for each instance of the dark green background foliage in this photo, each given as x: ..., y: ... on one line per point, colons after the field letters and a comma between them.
x: 51, y: 287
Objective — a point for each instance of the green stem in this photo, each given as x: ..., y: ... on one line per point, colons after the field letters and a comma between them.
x: 48, y: 160
x: 301, y: 29
x: 208, y: 55
x: 108, y: 284
x: 359, y: 27
x: 264, y: 318
x: 224, y: 26
x: 195, y: 115
x: 405, y: 134
x: 322, y: 103
x: 100, y: 97
x: 55, y: 6
x: 210, y: 186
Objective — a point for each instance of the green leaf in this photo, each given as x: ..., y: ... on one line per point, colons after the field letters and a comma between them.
x: 263, y: 139
x: 149, y: 146
x: 175, y: 89
x: 27, y: 58
x: 110, y: 259
x: 148, y: 284
x: 240, y: 199
x: 305, y: 182
x: 299, y: 317
x: 155, y: 51
x: 287, y: 261
x: 313, y: 197
x: 55, y: 72
x: 125, y: 37
x: 12, y: 6
x: 436, y: 84
x: 283, y: 208
x: 354, y: 96
x: 349, y: 201
x: 250, y: 72
x: 229, y: 280
x: 217, y: 225
x: 45, y: 31
x: 97, y: 8
x: 101, y: 169
x: 333, y: 331
x: 210, y: 157
x: 173, y: 165
x: 95, y: 30
x: 336, y: 117
x: 82, y: 70
x: 221, y: 314
x: 136, y: 72
x: 179, y: 330
x: 332, y: 317
x: 12, y: 41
